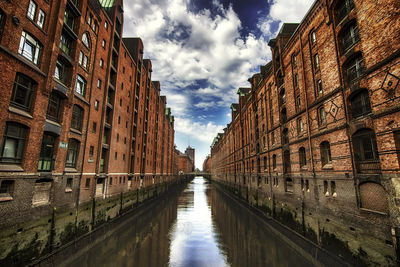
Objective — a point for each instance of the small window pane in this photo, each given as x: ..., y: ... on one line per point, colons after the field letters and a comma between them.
x: 32, y: 10
x: 41, y: 18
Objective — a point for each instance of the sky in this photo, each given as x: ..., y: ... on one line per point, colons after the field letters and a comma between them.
x: 202, y: 51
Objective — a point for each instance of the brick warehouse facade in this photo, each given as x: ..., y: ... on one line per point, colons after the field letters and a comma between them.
x: 80, y: 117
x: 315, y: 140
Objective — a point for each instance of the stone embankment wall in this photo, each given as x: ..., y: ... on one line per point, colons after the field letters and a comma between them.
x: 29, y: 242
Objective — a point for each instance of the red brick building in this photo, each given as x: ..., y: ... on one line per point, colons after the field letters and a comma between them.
x: 185, y: 162
x: 315, y: 139
x: 207, y: 164
x: 80, y: 117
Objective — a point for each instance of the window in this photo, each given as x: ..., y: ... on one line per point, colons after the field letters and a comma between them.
x: 24, y: 88
x: 298, y: 102
x: 396, y: 136
x: 319, y: 88
x: 116, y: 155
x: 89, y: 19
x: 326, y: 192
x: 342, y: 9
x: 65, y: 44
x: 117, y: 137
x: 365, y: 146
x: 96, y: 105
x: 321, y: 116
x: 83, y: 60
x: 41, y: 19
x: 98, y: 83
x: 61, y: 71
x: 69, y: 18
x: 285, y: 134
x: 333, y: 189
x: 68, y: 186
x: 313, y: 37
x: 80, y: 87
x: 94, y: 127
x: 111, y: 180
x: 296, y: 80
x: 72, y: 154
x: 6, y: 190
x: 103, y: 43
x: 354, y: 69
x: 325, y: 150
x: 85, y: 40
x: 106, y: 25
x: 101, y: 62
x: 349, y: 37
x: 54, y: 107
x: 13, y: 143
x: 274, y: 162
x: 30, y: 48
x: 46, y: 153
x: 87, y: 183
x: 300, y: 126
x: 360, y: 104
x: 77, y: 118
x: 91, y: 151
x: 294, y: 60
x: 41, y: 194
x: 2, y: 18
x: 32, y: 10
x: 289, y: 185
x: 302, y: 157
x: 316, y: 61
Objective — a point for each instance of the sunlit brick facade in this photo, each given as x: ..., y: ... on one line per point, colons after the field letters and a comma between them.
x: 80, y: 117
x: 315, y: 140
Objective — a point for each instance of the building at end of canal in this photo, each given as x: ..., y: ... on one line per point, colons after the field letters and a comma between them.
x: 315, y: 139
x: 80, y: 118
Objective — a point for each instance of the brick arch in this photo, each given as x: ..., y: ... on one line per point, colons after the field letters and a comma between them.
x: 373, y: 197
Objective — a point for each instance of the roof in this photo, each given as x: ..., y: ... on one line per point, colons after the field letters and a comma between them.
x: 288, y: 28
x: 234, y: 106
x: 243, y: 91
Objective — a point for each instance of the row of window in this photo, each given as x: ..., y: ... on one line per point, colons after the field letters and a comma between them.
x: 36, y: 13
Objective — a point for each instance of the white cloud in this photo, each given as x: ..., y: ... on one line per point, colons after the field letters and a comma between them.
x: 288, y: 10
x: 202, y: 132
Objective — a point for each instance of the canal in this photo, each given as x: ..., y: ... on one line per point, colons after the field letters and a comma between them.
x: 195, y: 226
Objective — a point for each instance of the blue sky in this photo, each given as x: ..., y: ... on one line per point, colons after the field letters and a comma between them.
x: 202, y: 51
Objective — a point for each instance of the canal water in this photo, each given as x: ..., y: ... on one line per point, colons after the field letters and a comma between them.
x: 198, y: 226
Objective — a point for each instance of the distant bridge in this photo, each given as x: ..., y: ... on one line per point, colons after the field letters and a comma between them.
x: 198, y: 173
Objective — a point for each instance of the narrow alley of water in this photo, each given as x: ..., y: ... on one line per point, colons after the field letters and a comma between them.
x: 197, y: 226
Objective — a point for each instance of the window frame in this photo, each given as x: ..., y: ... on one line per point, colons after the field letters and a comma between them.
x: 34, y: 44
x: 354, y: 68
x: 32, y: 14
x: 321, y: 118
x: 29, y: 92
x: 48, y: 140
x: 326, y: 154
x: 41, y: 16
x: 73, y: 147
x: 80, y: 85
x: 57, y: 104
x: 86, y: 40
x: 19, y: 143
x: 362, y: 108
x: 302, y: 157
x: 77, y: 118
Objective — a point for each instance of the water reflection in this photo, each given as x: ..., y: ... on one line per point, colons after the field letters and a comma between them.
x: 194, y: 239
x: 248, y: 240
x: 198, y: 226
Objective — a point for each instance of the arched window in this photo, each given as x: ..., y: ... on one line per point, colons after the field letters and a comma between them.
x: 342, y: 9
x: 54, y: 107
x: 325, y: 150
x: 349, y: 36
x: 284, y: 115
x: 283, y: 96
x: 24, y: 88
x: 80, y: 86
x: 360, y: 104
x: 302, y: 157
x: 12, y: 147
x: 86, y: 40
